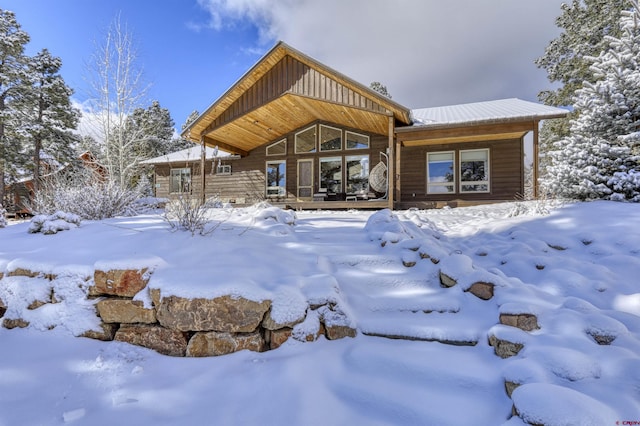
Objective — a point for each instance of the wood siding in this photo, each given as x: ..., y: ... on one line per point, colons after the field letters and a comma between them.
x: 292, y: 76
x: 247, y: 182
x: 506, y: 171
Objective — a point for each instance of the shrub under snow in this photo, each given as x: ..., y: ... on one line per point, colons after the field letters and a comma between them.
x: 52, y: 224
x: 85, y: 195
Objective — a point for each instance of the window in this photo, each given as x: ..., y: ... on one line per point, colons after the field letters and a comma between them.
x: 276, y: 178
x: 440, y: 172
x: 356, y: 140
x: 357, y: 174
x: 277, y: 148
x: 223, y: 169
x: 180, y: 181
x: 305, y: 141
x: 330, y: 138
x: 474, y: 170
x: 331, y: 174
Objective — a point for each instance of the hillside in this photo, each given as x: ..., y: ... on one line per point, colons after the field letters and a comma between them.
x: 461, y: 314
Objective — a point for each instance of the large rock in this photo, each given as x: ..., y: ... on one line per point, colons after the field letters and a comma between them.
x: 119, y: 282
x: 278, y: 337
x: 160, y: 339
x: 3, y: 308
x: 504, y: 348
x: 334, y: 332
x: 224, y: 314
x: 270, y: 324
x: 482, y: 290
x: 106, y: 332
x: 213, y: 343
x: 526, y: 322
x: 446, y: 280
x: 125, y: 311
x: 11, y: 323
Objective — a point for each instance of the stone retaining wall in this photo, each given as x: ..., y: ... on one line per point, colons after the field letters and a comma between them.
x: 196, y: 327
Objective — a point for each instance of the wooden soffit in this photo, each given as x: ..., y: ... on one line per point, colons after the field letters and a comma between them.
x: 284, y: 91
x: 423, y: 135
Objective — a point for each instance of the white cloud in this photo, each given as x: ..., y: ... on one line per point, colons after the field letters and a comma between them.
x: 426, y: 52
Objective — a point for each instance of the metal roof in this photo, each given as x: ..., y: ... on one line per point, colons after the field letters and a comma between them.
x: 501, y: 110
x: 188, y: 155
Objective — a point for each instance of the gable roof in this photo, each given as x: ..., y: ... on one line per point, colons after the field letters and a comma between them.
x: 188, y: 155
x: 284, y: 91
x: 501, y: 110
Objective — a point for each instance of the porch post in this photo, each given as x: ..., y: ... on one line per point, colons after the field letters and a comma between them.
x: 536, y: 153
x: 203, y: 155
x: 391, y: 172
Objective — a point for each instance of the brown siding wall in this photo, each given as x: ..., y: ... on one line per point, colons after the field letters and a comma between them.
x: 246, y: 183
x: 505, y: 169
x: 291, y: 75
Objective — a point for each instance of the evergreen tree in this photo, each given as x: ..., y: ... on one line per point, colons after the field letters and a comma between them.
x: 584, y: 25
x: 152, y: 128
x: 180, y: 143
x: 47, y: 114
x: 599, y: 159
x: 376, y: 86
x: 12, y: 60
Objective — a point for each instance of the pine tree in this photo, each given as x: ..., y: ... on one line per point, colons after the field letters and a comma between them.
x: 152, y: 128
x: 584, y: 25
x: 180, y: 143
x: 599, y: 159
x: 48, y: 116
x: 12, y: 43
x: 376, y: 86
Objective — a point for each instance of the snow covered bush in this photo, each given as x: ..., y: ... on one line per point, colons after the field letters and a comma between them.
x: 52, y: 224
x: 86, y: 195
x: 188, y: 214
x: 3, y: 217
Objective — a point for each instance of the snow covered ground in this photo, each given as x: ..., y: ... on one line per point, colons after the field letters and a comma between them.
x: 577, y: 269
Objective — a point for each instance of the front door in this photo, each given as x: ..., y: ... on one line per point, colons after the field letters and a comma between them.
x: 305, y: 179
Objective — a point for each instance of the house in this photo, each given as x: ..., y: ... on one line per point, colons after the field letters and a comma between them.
x: 181, y: 173
x: 304, y: 135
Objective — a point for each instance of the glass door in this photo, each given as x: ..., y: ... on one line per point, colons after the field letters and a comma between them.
x: 305, y: 179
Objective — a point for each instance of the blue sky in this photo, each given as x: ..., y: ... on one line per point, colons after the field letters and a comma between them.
x: 427, y: 52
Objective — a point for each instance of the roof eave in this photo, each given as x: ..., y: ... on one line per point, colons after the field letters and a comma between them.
x: 505, y: 120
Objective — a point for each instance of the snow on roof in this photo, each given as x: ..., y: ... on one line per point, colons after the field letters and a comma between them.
x: 188, y: 155
x: 489, y: 111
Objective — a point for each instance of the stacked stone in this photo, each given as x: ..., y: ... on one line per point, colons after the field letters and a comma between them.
x: 198, y: 327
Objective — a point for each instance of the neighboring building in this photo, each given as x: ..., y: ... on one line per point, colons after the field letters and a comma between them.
x: 19, y: 195
x: 307, y: 136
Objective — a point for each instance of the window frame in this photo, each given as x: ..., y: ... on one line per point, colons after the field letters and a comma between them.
x: 282, y: 190
x: 324, y: 126
x: 445, y: 184
x: 181, y: 184
x: 281, y: 141
x: 323, y: 188
x: 223, y: 169
x: 315, y: 140
x: 346, y: 140
x: 487, y: 170
x: 365, y: 189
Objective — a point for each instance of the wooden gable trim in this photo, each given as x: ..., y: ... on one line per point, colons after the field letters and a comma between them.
x: 284, y: 62
x: 290, y: 76
x: 426, y: 136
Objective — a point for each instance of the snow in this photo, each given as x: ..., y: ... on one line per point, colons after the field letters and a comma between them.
x: 575, y: 268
